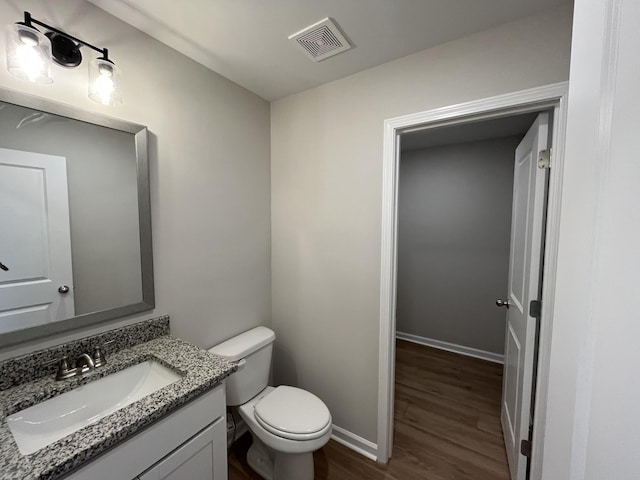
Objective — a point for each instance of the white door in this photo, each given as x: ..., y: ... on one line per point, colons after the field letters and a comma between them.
x: 524, y: 286
x: 36, y: 284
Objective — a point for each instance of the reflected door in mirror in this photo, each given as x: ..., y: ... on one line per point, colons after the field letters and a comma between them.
x: 35, y: 240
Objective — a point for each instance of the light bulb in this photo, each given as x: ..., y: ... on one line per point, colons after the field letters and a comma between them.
x: 31, y: 63
x: 28, y: 54
x: 104, y: 85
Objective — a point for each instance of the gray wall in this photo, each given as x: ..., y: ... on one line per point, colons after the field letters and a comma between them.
x: 454, y: 220
x: 209, y: 147
x: 103, y: 202
x: 326, y: 169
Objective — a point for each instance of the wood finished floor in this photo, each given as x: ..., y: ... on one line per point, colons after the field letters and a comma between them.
x: 447, y: 425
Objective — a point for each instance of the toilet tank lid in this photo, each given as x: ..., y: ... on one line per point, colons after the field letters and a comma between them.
x: 246, y: 343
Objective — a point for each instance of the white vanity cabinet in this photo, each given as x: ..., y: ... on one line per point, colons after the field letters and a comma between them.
x: 189, y: 443
x: 201, y: 458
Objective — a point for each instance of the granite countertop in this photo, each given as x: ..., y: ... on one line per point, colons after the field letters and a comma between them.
x: 200, y: 371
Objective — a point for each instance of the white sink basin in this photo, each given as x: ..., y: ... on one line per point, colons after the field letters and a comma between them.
x: 40, y: 425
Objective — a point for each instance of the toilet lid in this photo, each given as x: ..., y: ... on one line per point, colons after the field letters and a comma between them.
x: 293, y: 412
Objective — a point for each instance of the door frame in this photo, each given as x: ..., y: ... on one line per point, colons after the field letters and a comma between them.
x: 553, y: 97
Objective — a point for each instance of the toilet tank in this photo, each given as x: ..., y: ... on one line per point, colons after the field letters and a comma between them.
x: 252, y: 350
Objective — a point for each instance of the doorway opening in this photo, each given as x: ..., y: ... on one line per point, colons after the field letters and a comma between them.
x: 478, y: 124
x: 465, y: 221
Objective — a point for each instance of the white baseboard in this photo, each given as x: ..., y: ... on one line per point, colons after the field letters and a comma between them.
x: 355, y: 443
x: 451, y: 347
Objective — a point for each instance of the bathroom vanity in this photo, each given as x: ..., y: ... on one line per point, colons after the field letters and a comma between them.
x: 176, y: 447
x: 155, y: 410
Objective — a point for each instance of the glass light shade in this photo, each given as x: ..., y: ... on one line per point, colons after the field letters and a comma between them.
x: 104, y: 82
x: 28, y: 54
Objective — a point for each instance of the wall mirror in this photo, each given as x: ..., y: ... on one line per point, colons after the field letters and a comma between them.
x: 75, y: 220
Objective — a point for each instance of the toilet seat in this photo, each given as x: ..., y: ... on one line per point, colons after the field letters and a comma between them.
x: 293, y: 413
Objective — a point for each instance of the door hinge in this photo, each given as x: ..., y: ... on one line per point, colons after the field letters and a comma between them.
x: 525, y: 448
x: 535, y: 307
x: 544, y: 158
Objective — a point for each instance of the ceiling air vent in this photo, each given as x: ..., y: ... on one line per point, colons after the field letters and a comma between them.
x: 321, y: 40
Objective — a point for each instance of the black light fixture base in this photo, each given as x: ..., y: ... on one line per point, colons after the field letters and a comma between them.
x: 64, y: 51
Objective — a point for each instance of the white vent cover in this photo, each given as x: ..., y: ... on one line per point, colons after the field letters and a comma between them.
x: 321, y: 40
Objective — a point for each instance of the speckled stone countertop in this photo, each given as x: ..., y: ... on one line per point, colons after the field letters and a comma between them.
x: 200, y: 370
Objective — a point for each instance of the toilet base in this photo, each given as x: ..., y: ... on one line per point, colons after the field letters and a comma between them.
x: 290, y: 466
x: 260, y: 459
x: 272, y: 465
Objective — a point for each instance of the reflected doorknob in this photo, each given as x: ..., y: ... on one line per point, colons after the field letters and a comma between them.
x: 502, y: 303
x: 63, y: 289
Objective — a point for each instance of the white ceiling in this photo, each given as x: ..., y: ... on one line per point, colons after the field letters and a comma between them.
x: 247, y: 40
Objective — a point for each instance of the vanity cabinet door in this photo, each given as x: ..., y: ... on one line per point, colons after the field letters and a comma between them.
x: 204, y: 457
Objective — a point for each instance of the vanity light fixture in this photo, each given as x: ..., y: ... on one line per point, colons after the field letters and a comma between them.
x: 29, y: 56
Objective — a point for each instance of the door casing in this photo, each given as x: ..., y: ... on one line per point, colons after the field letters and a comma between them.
x: 547, y: 97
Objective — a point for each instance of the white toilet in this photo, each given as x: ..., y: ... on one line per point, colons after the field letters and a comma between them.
x: 287, y: 424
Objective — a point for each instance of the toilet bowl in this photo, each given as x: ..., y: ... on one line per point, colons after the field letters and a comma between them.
x: 287, y: 424
x: 291, y: 442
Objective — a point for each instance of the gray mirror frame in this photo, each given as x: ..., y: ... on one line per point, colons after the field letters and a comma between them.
x: 144, y: 217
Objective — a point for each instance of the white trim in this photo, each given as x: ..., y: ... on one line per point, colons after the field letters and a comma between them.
x: 611, y: 32
x: 549, y: 285
x: 355, y: 442
x: 451, y: 347
x: 535, y: 99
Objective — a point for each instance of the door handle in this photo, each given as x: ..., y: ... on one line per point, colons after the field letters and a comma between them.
x: 502, y: 303
x: 4, y: 267
x: 63, y: 289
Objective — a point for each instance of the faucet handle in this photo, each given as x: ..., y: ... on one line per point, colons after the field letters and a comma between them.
x: 63, y: 367
x: 99, y: 357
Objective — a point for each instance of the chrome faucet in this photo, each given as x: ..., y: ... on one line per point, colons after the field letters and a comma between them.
x: 84, y: 363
